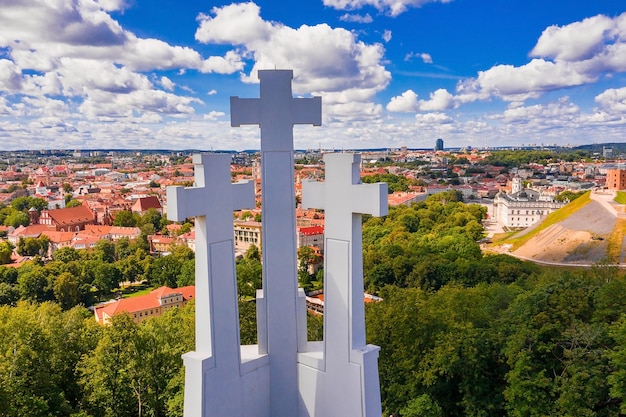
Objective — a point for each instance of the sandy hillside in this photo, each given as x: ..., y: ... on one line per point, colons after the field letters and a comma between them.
x: 579, y: 239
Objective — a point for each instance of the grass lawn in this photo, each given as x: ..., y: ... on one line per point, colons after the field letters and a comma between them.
x: 135, y: 290
x: 620, y: 197
x: 614, y: 244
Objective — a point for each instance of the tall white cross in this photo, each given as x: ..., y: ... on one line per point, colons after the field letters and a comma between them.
x: 347, y: 381
x: 276, y: 111
x: 212, y: 372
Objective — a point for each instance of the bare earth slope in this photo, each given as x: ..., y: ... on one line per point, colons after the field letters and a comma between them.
x: 580, y: 239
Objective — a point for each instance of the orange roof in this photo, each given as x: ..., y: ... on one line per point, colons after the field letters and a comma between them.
x: 144, y: 302
x: 31, y: 230
x: 72, y: 215
x: 58, y: 237
x: 145, y: 203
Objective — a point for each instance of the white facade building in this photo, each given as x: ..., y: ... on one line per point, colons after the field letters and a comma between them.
x: 523, y: 207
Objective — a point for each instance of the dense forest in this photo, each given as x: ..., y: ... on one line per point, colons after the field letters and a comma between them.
x: 462, y: 333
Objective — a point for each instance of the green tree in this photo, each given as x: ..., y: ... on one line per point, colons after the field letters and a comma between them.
x: 73, y: 203
x: 6, y: 249
x: 152, y: 216
x: 23, y: 204
x: 32, y: 282
x: 126, y: 218
x: 16, y: 219
x: 31, y: 246
x: 66, y: 254
x: 422, y: 406
x: 67, y: 290
x: 105, y: 375
x: 104, y: 250
x: 249, y: 277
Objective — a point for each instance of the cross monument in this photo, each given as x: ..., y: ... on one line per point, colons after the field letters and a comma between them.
x: 276, y: 111
x: 213, y: 372
x: 345, y: 380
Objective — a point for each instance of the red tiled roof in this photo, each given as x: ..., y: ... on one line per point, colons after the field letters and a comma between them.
x: 311, y: 230
x: 146, y: 203
x: 70, y: 216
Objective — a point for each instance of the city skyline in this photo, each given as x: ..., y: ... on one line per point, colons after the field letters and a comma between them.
x: 154, y: 75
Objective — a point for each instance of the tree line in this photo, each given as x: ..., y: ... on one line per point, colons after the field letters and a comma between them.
x: 462, y: 333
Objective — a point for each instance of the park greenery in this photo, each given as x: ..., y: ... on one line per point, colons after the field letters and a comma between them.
x: 462, y: 332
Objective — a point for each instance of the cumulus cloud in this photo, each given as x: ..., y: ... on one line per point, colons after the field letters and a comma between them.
x: 433, y: 119
x: 76, y: 49
x: 213, y: 115
x: 387, y: 35
x: 613, y: 100
x: 324, y: 60
x: 391, y: 7
x: 408, y: 102
x: 441, y: 99
x: 564, y: 56
x: 558, y: 113
x: 10, y: 76
x: 577, y: 41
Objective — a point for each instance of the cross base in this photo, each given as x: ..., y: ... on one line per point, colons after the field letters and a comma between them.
x: 210, y: 391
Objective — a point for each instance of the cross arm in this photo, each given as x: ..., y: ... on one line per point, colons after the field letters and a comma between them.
x: 313, y: 194
x: 244, y: 111
x: 307, y: 111
x: 370, y: 199
x: 243, y: 195
x: 177, y: 210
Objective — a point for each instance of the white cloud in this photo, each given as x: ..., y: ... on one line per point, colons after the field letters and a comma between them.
x: 234, y: 24
x: 10, y: 76
x: 387, y: 36
x: 167, y: 83
x: 613, y: 100
x: 213, y: 115
x: 212, y: 92
x: 577, y: 41
x: 560, y: 112
x: 567, y: 56
x: 324, y: 60
x: 76, y: 49
x: 407, y: 102
x: 433, y: 119
x: 520, y: 83
x: 421, y: 55
x: 441, y: 99
x: 356, y: 18
x: 391, y: 7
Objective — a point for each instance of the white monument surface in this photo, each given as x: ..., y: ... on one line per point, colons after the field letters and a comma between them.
x: 284, y: 375
x: 342, y: 379
x: 216, y: 381
x: 276, y: 111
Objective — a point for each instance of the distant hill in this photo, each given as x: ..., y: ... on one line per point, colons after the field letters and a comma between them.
x: 588, y: 230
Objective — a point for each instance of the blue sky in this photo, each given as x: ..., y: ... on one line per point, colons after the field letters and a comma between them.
x: 158, y: 74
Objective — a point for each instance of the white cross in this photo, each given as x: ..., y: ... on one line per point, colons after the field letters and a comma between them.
x: 276, y: 111
x: 348, y: 378
x: 212, y: 201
